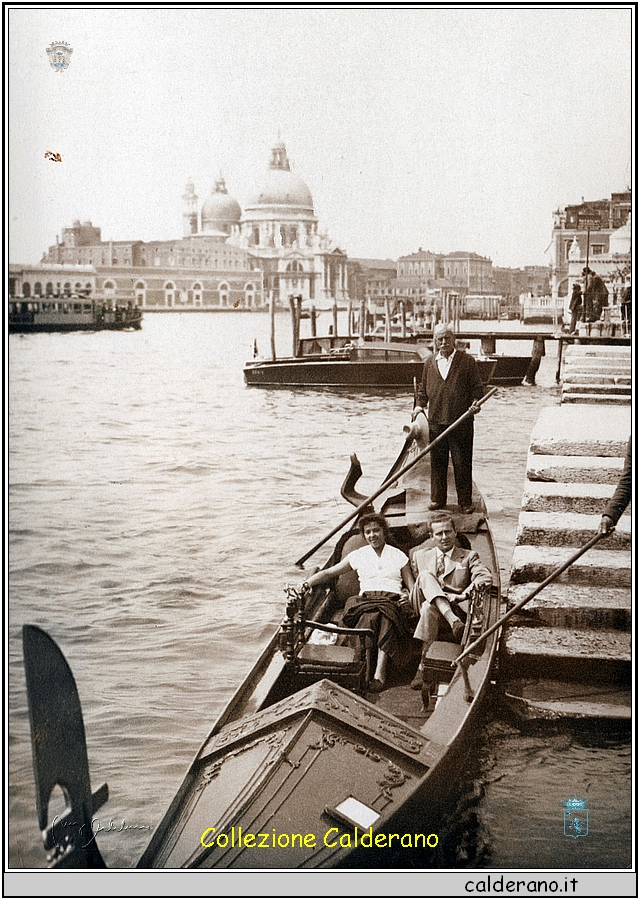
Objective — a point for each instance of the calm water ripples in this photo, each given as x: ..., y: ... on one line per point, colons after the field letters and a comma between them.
x: 156, y: 508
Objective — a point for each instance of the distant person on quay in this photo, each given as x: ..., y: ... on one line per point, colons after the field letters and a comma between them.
x: 449, y: 386
x: 621, y: 498
x: 575, y: 307
x: 625, y: 309
x: 596, y: 296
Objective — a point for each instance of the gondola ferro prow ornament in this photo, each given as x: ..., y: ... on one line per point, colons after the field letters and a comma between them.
x: 60, y: 754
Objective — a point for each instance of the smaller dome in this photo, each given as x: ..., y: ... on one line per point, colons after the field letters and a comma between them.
x: 219, y: 210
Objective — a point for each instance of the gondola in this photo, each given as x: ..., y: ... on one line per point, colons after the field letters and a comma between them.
x: 303, y: 768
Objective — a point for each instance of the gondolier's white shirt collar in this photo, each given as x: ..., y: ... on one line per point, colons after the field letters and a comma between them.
x: 444, y: 363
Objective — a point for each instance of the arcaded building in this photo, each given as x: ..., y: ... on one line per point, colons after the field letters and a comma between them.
x: 197, y: 272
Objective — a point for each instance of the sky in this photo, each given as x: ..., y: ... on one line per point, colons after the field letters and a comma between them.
x: 445, y: 128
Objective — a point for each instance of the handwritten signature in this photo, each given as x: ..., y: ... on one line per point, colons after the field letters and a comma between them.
x: 96, y: 827
x: 54, y: 157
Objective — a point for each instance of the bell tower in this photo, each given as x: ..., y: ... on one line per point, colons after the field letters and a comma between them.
x: 189, y: 210
x: 279, y: 158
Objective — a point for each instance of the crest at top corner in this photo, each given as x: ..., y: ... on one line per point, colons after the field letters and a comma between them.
x: 59, y: 53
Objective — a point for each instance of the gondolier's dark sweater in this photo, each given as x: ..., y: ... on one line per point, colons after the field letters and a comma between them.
x: 622, y: 496
x: 449, y: 399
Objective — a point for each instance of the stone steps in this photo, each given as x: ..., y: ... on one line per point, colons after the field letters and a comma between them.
x: 594, y: 351
x: 595, y: 568
x: 571, y: 645
x: 574, y: 606
x: 584, y: 470
x: 622, y: 399
x: 571, y: 530
x: 570, y: 432
x: 596, y: 375
x: 545, y: 496
x: 581, y: 387
x: 609, y: 378
x: 613, y: 363
x: 566, y: 653
x: 554, y: 699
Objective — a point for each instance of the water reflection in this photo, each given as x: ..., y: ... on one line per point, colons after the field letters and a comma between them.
x: 157, y: 506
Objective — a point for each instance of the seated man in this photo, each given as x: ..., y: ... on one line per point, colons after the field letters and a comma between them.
x: 445, y: 569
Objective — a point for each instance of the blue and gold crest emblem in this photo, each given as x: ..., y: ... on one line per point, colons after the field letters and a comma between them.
x: 576, y: 818
x: 59, y: 54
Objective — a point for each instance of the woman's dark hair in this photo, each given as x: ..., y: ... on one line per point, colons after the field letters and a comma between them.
x: 368, y: 518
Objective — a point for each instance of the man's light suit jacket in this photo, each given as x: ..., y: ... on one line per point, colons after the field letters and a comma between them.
x: 462, y: 568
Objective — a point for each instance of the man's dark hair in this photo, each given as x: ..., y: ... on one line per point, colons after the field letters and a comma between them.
x: 443, y: 517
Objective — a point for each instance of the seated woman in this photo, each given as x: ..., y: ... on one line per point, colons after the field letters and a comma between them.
x: 382, y: 604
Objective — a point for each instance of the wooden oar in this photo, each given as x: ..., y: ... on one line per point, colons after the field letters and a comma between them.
x: 514, y: 609
x: 396, y: 475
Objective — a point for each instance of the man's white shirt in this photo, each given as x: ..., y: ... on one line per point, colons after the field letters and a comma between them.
x: 444, y: 364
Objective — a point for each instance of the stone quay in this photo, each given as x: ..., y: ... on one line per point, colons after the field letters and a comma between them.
x: 567, y: 653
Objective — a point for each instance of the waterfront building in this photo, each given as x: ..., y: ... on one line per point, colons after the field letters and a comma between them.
x: 52, y: 281
x: 371, y: 279
x: 417, y: 274
x: 197, y: 272
x: 596, y: 219
x: 469, y: 273
x: 461, y: 272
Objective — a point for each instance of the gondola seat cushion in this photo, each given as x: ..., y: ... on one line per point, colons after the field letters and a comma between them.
x: 327, y: 655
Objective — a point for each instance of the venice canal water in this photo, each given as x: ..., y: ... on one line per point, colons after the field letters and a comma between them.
x: 157, y: 506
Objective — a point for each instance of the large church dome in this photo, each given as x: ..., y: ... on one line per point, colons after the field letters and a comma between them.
x: 281, y: 187
x: 220, y: 211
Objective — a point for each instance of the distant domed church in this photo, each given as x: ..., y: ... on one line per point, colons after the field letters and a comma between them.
x: 225, y: 258
x: 279, y: 229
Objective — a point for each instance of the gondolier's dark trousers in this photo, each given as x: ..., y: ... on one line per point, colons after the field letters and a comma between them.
x: 460, y: 445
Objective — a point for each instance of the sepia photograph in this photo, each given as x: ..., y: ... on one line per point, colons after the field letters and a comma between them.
x: 320, y: 387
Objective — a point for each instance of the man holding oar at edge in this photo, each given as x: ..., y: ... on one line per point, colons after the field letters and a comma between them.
x: 621, y: 498
x: 450, y: 384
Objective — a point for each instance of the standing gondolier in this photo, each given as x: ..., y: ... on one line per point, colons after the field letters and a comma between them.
x: 450, y: 384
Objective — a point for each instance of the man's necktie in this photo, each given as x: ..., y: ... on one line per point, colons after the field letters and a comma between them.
x: 440, y: 566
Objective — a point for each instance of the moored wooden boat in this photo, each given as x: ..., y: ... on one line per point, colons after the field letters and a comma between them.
x: 341, y: 363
